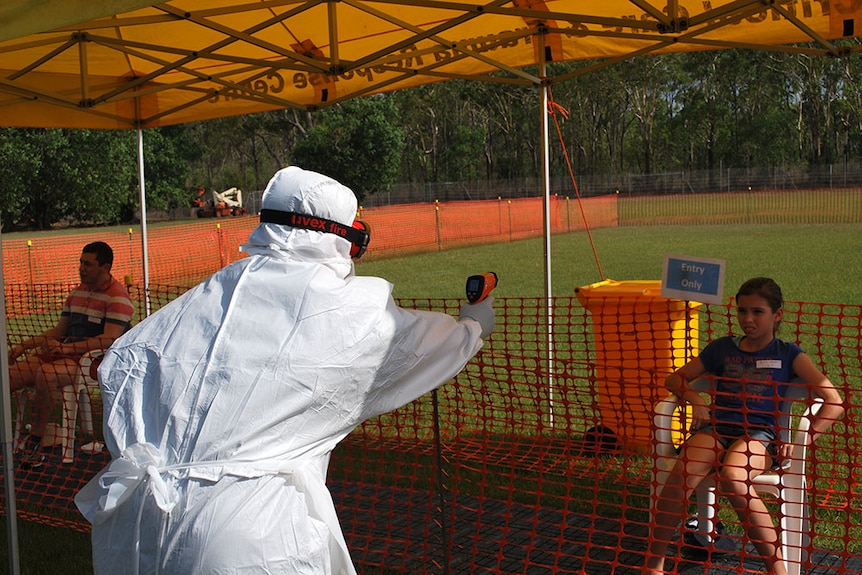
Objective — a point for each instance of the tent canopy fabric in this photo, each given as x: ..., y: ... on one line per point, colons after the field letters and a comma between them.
x: 129, y: 64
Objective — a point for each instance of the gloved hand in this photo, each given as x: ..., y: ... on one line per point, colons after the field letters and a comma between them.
x: 482, y: 312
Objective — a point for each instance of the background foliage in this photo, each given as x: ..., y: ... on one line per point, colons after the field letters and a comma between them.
x: 649, y: 115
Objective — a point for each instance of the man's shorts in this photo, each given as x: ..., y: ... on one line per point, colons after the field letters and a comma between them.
x: 51, y: 357
x: 48, y: 357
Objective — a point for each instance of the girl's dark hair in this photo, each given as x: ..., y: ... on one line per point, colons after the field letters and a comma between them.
x: 765, y: 288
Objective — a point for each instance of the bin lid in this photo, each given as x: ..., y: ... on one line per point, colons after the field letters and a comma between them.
x: 627, y: 291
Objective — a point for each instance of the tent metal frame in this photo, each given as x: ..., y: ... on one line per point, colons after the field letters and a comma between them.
x: 52, y: 55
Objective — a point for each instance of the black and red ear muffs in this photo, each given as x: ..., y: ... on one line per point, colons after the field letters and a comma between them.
x: 359, y: 234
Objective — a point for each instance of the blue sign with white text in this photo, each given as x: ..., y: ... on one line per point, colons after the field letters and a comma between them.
x: 697, y: 279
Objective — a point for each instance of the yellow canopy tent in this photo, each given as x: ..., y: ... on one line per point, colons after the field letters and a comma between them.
x: 136, y: 64
x: 129, y: 64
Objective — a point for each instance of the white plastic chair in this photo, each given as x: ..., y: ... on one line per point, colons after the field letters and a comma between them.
x: 75, y: 397
x: 788, y: 483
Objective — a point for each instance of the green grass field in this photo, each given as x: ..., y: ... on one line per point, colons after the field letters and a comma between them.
x: 813, y: 263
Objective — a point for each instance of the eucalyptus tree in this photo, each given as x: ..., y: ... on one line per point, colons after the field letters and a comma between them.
x: 357, y: 142
x: 510, y: 120
x: 51, y: 175
x: 646, y: 83
x: 764, y: 115
x: 822, y: 90
x: 598, y: 118
x: 445, y: 132
x: 848, y: 111
x: 240, y: 151
x: 87, y: 177
x: 168, y: 153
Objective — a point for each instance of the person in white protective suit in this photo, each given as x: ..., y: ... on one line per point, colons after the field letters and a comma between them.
x: 222, y: 408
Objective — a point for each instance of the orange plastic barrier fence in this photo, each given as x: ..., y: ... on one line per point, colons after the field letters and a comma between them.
x: 514, y: 467
x: 186, y: 253
x: 520, y: 465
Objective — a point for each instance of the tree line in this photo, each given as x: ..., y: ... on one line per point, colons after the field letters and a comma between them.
x: 653, y: 114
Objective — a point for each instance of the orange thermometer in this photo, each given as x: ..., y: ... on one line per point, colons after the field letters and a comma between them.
x: 480, y: 286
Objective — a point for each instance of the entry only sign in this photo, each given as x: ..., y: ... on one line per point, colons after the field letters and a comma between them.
x: 693, y: 279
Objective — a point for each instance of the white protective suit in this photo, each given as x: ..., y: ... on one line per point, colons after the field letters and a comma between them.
x: 222, y: 408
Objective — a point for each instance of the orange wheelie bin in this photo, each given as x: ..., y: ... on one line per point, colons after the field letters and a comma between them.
x: 639, y: 337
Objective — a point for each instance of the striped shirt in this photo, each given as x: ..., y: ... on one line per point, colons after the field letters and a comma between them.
x: 90, y: 309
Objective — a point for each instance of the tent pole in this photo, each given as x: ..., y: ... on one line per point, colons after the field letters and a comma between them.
x: 7, y: 438
x: 144, y: 249
x: 546, y: 186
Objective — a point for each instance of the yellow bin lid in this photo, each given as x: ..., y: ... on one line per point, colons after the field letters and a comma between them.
x: 627, y: 291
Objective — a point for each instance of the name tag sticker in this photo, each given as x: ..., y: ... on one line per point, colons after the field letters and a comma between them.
x: 768, y: 364
x: 94, y: 319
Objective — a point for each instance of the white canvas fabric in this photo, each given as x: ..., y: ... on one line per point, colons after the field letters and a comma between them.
x: 222, y: 408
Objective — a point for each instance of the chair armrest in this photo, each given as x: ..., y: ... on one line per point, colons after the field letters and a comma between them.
x: 795, y: 471
x: 88, y: 363
x: 663, y: 414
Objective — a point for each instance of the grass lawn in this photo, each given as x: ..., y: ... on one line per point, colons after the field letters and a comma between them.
x: 813, y: 263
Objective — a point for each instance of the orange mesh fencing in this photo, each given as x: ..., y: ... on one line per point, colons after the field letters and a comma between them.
x: 525, y: 462
x: 186, y: 253
x: 537, y: 458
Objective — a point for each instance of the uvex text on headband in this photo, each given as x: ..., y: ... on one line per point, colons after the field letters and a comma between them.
x: 359, y: 234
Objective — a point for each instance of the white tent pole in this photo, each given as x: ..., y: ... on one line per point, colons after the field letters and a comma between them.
x: 6, y: 435
x: 7, y: 438
x: 546, y: 185
x: 144, y: 250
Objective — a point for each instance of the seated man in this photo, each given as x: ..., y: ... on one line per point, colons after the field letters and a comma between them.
x: 94, y: 315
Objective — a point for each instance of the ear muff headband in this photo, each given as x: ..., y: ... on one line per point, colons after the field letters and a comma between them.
x: 359, y: 234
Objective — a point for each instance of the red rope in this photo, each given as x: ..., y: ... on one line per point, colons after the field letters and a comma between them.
x: 553, y: 109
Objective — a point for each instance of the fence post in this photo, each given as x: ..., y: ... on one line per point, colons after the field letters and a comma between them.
x: 500, y: 215
x: 30, y: 272
x: 437, y: 224
x: 130, y: 260
x: 221, y: 255
x: 441, y: 487
x: 509, y: 202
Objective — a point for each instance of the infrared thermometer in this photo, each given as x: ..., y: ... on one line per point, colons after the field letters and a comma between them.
x: 480, y: 286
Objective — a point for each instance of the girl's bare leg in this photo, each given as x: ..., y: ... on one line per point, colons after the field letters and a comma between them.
x: 743, y: 462
x: 697, y: 460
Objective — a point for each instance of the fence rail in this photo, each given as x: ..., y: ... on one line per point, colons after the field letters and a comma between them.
x: 721, y: 179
